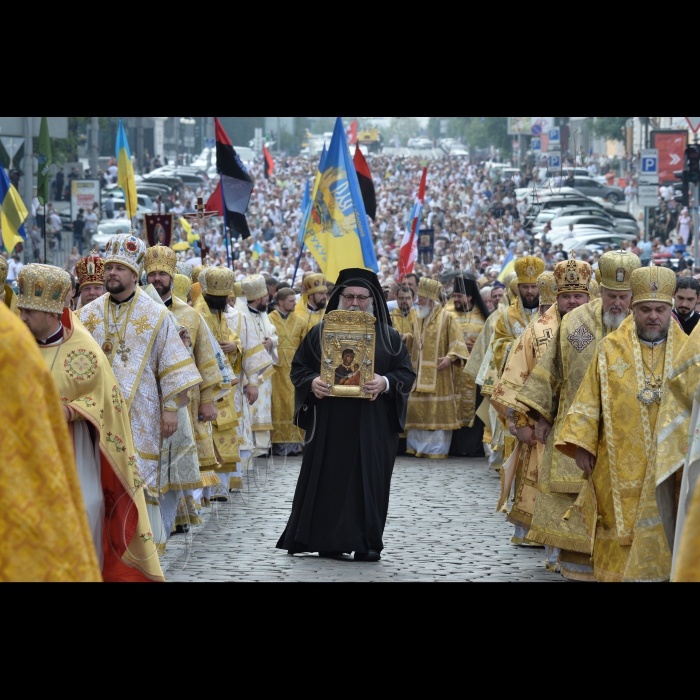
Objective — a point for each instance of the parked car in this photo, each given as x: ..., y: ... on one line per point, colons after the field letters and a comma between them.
x: 105, y: 230
x: 171, y: 181
x: 593, y: 188
x: 597, y: 239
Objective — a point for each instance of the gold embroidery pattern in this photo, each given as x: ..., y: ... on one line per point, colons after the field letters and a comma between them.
x: 142, y: 325
x: 620, y: 367
x: 91, y: 322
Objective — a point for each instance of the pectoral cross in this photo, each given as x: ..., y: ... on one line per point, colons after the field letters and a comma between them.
x: 123, y: 352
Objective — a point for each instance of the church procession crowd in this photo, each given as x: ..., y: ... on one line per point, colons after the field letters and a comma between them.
x: 148, y: 397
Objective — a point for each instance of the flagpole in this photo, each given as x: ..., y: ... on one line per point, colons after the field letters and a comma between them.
x: 45, y: 263
x: 227, y: 237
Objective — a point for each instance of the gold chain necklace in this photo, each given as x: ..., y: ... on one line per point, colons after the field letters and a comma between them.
x: 650, y: 393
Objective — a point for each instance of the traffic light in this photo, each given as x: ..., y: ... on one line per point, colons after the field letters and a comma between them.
x: 682, y: 195
x: 692, y: 163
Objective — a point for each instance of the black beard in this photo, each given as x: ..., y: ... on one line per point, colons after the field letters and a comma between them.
x: 320, y: 306
x: 162, y: 290
x: 683, y: 317
x: 112, y: 289
x: 531, y: 304
x: 216, y: 303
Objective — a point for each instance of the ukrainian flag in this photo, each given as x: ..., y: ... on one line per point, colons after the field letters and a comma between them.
x: 13, y: 214
x: 508, y: 265
x: 258, y: 250
x: 125, y: 175
x: 337, y: 231
x: 192, y: 238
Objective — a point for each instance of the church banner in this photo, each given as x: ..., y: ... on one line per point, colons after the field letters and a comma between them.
x: 159, y: 229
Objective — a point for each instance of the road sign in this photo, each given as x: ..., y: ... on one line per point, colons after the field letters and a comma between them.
x: 671, y: 145
x: 12, y: 144
x: 555, y: 139
x: 536, y: 145
x: 210, y: 143
x: 648, y: 195
x: 650, y: 167
x: 694, y: 123
x: 554, y: 160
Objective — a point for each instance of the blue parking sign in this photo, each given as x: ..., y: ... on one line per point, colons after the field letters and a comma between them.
x: 554, y: 135
x: 555, y: 161
x: 536, y: 144
x: 650, y: 166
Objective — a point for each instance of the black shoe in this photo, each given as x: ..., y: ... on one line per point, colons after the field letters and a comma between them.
x: 219, y: 499
x: 371, y: 556
x: 332, y: 555
x: 182, y: 530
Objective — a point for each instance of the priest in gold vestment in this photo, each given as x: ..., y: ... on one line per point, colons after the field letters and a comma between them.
x: 569, y: 284
x: 549, y: 392
x: 247, y: 358
x: 94, y: 409
x: 187, y: 474
x: 7, y: 296
x: 287, y: 439
x: 433, y: 412
x: 312, y: 304
x: 678, y: 448
x: 469, y: 313
x: 404, y: 317
x: 611, y: 431
x: 48, y: 539
x: 477, y: 368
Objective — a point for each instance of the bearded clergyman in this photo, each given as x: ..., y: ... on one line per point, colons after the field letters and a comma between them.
x: 342, y: 497
x: 549, y: 393
x: 611, y: 431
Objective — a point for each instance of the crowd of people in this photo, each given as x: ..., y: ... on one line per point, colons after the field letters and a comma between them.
x: 173, y: 372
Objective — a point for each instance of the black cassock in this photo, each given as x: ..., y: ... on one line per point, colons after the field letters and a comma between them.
x: 342, y: 497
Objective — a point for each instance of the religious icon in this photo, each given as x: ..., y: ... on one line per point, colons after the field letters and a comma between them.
x: 620, y: 274
x: 348, y: 346
x: 107, y: 347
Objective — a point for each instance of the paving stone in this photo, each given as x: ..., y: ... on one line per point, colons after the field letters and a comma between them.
x: 441, y: 527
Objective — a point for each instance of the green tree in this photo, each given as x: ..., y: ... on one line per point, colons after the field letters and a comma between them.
x: 609, y: 127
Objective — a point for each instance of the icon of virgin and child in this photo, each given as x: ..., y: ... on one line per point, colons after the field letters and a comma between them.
x: 348, y: 374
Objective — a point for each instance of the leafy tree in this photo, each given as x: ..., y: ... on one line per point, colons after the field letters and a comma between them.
x: 609, y: 127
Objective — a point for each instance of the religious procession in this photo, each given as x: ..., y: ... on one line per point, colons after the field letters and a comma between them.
x: 395, y: 385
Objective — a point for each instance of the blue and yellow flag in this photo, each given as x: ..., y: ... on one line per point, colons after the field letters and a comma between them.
x: 508, y: 265
x: 13, y: 214
x: 257, y: 251
x: 125, y: 175
x: 337, y: 231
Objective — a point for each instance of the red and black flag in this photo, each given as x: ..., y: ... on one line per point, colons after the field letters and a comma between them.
x: 364, y: 175
x: 269, y: 163
x: 235, y: 188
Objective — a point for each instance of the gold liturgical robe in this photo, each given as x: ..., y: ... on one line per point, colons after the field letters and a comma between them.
x: 90, y: 390
x: 290, y: 331
x: 550, y: 391
x: 509, y: 327
x: 433, y: 404
x: 522, y: 362
x: 678, y: 448
x: 208, y: 367
x: 405, y: 325
x: 470, y: 324
x: 609, y: 420
x: 44, y: 528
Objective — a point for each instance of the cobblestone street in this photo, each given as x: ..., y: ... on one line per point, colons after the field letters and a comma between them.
x: 441, y: 527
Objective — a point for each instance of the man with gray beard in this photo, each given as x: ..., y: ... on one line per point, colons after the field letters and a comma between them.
x: 549, y: 393
x: 342, y: 496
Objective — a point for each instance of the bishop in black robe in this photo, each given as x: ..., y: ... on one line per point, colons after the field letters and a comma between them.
x: 342, y: 496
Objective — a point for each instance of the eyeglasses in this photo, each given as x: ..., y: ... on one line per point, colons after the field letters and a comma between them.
x: 352, y: 297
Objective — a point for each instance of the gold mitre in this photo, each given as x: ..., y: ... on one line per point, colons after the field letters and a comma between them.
x: 615, y: 270
x: 529, y: 269
x: 254, y: 287
x: 238, y: 290
x: 315, y: 284
x: 196, y: 272
x: 656, y: 284
x: 161, y: 259
x: 548, y: 289
x: 429, y: 289
x: 43, y: 288
x: 514, y: 289
x: 594, y: 289
x: 573, y: 276
x: 217, y: 281
x: 3, y: 271
x: 90, y: 270
x: 182, y: 287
